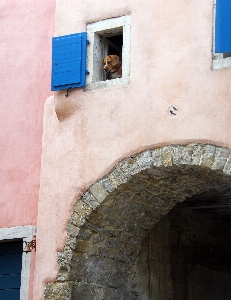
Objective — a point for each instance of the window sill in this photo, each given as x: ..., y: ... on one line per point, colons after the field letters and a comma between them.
x: 107, y: 84
x: 220, y: 63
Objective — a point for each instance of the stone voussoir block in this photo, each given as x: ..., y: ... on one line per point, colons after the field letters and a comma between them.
x: 98, y: 192
x: 72, y: 230
x: 208, y: 154
x: 227, y: 167
x: 118, y: 177
x: 197, y: 154
x: 145, y: 160
x: 129, y: 166
x: 108, y: 184
x: 90, y: 200
x: 64, y: 258
x: 221, y: 156
x: 157, y: 158
x: 71, y: 243
x: 77, y: 220
x: 82, y: 209
x: 182, y: 155
x: 167, y: 156
x: 64, y: 262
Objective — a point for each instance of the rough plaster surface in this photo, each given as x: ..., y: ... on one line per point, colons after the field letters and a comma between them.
x: 110, y: 221
x: 88, y: 133
x: 25, y: 60
x: 26, y: 31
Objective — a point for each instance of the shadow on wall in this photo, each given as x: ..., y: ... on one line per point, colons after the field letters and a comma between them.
x: 187, y: 255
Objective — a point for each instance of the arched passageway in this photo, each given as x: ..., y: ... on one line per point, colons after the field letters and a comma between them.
x: 108, y: 254
x: 187, y: 253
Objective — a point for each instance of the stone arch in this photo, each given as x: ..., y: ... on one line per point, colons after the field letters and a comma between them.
x: 114, y: 215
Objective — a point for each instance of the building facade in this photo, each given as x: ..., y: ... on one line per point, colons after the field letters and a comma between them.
x: 134, y: 199
x: 26, y: 31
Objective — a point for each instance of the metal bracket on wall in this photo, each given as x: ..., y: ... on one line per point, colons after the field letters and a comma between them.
x: 67, y: 92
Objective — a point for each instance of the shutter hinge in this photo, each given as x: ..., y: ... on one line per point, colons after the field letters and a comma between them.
x: 68, y: 90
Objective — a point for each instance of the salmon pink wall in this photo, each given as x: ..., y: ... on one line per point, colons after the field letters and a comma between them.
x: 25, y: 39
x: 87, y: 133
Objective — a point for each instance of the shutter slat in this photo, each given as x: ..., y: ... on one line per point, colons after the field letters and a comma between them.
x: 10, y: 270
x: 66, y: 75
x: 10, y: 264
x: 69, y: 51
x: 68, y: 79
x: 68, y: 39
x: 67, y: 65
x: 68, y: 61
x: 63, y: 57
x: 10, y: 281
x: 223, y: 26
x: 10, y: 294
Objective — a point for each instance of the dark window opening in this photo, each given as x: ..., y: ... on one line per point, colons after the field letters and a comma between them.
x: 115, y: 45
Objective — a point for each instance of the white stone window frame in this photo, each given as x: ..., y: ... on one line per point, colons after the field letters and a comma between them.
x: 96, y: 51
x: 25, y: 233
x: 218, y: 61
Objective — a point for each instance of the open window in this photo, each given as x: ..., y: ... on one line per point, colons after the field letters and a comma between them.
x: 222, y: 34
x: 107, y: 37
x: 112, y: 45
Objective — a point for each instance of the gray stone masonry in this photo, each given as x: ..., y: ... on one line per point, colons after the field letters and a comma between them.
x: 115, y: 214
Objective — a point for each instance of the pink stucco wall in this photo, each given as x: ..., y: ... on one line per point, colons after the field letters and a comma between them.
x: 25, y: 39
x: 86, y: 134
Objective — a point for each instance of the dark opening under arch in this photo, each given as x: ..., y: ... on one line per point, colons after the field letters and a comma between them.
x: 115, y: 221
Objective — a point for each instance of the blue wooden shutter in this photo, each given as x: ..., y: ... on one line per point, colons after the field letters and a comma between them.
x: 223, y: 26
x: 69, y: 61
x: 10, y: 270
